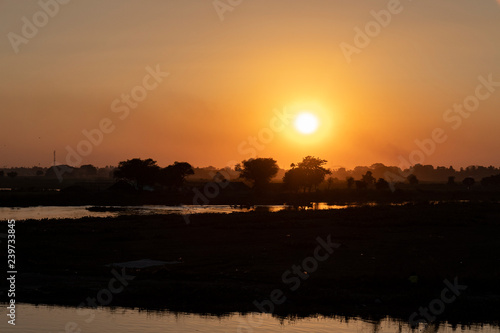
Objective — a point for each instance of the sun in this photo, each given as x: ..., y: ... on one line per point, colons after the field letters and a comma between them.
x: 306, y: 123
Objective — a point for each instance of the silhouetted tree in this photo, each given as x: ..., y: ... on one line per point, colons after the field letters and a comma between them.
x: 38, y: 171
x: 143, y: 172
x: 175, y: 175
x: 294, y: 178
x: 88, y: 170
x: 381, y: 184
x: 12, y: 174
x: 361, y: 185
x: 368, y: 178
x: 491, y: 181
x: 259, y: 171
x: 219, y: 178
x: 314, y: 171
x: 307, y: 174
x: 422, y: 172
x: 412, y: 179
x: 341, y: 173
x: 469, y: 181
x: 451, y: 180
x: 330, y: 182
x: 359, y: 171
x: 350, y: 182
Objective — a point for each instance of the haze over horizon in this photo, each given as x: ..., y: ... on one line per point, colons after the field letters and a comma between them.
x: 215, y: 92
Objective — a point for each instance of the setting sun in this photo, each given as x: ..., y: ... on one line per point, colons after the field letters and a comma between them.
x: 306, y: 123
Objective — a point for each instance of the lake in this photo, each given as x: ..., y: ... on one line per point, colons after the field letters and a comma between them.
x: 57, y: 319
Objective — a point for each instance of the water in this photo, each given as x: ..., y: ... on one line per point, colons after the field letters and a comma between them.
x: 76, y: 212
x: 45, y: 319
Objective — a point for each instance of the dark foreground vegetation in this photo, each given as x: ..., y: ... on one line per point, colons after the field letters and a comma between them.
x: 237, y: 193
x: 253, y: 181
x: 226, y: 262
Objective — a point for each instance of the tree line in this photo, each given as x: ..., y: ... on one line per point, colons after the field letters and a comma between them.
x: 148, y: 172
x: 426, y: 173
x: 305, y: 175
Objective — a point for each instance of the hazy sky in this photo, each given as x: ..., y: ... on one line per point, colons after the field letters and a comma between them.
x: 231, y: 69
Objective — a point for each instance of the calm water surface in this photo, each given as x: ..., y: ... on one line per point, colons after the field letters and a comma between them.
x: 76, y: 212
x: 44, y: 319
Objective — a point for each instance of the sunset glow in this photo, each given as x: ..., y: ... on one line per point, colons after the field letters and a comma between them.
x: 195, y: 96
x: 306, y: 123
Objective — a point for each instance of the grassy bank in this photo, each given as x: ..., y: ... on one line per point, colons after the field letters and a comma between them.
x: 228, y: 261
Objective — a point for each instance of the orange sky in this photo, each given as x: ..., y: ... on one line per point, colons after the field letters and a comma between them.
x: 227, y: 78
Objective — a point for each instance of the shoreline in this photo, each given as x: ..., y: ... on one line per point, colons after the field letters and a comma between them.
x: 228, y: 261
x: 92, y: 197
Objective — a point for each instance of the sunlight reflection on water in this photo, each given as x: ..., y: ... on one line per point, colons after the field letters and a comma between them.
x: 76, y: 212
x: 47, y: 319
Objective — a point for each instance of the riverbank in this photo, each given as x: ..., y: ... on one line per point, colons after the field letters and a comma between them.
x: 100, y: 196
x: 223, y: 263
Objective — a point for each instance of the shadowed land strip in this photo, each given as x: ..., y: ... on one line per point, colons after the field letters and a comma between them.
x: 228, y: 261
